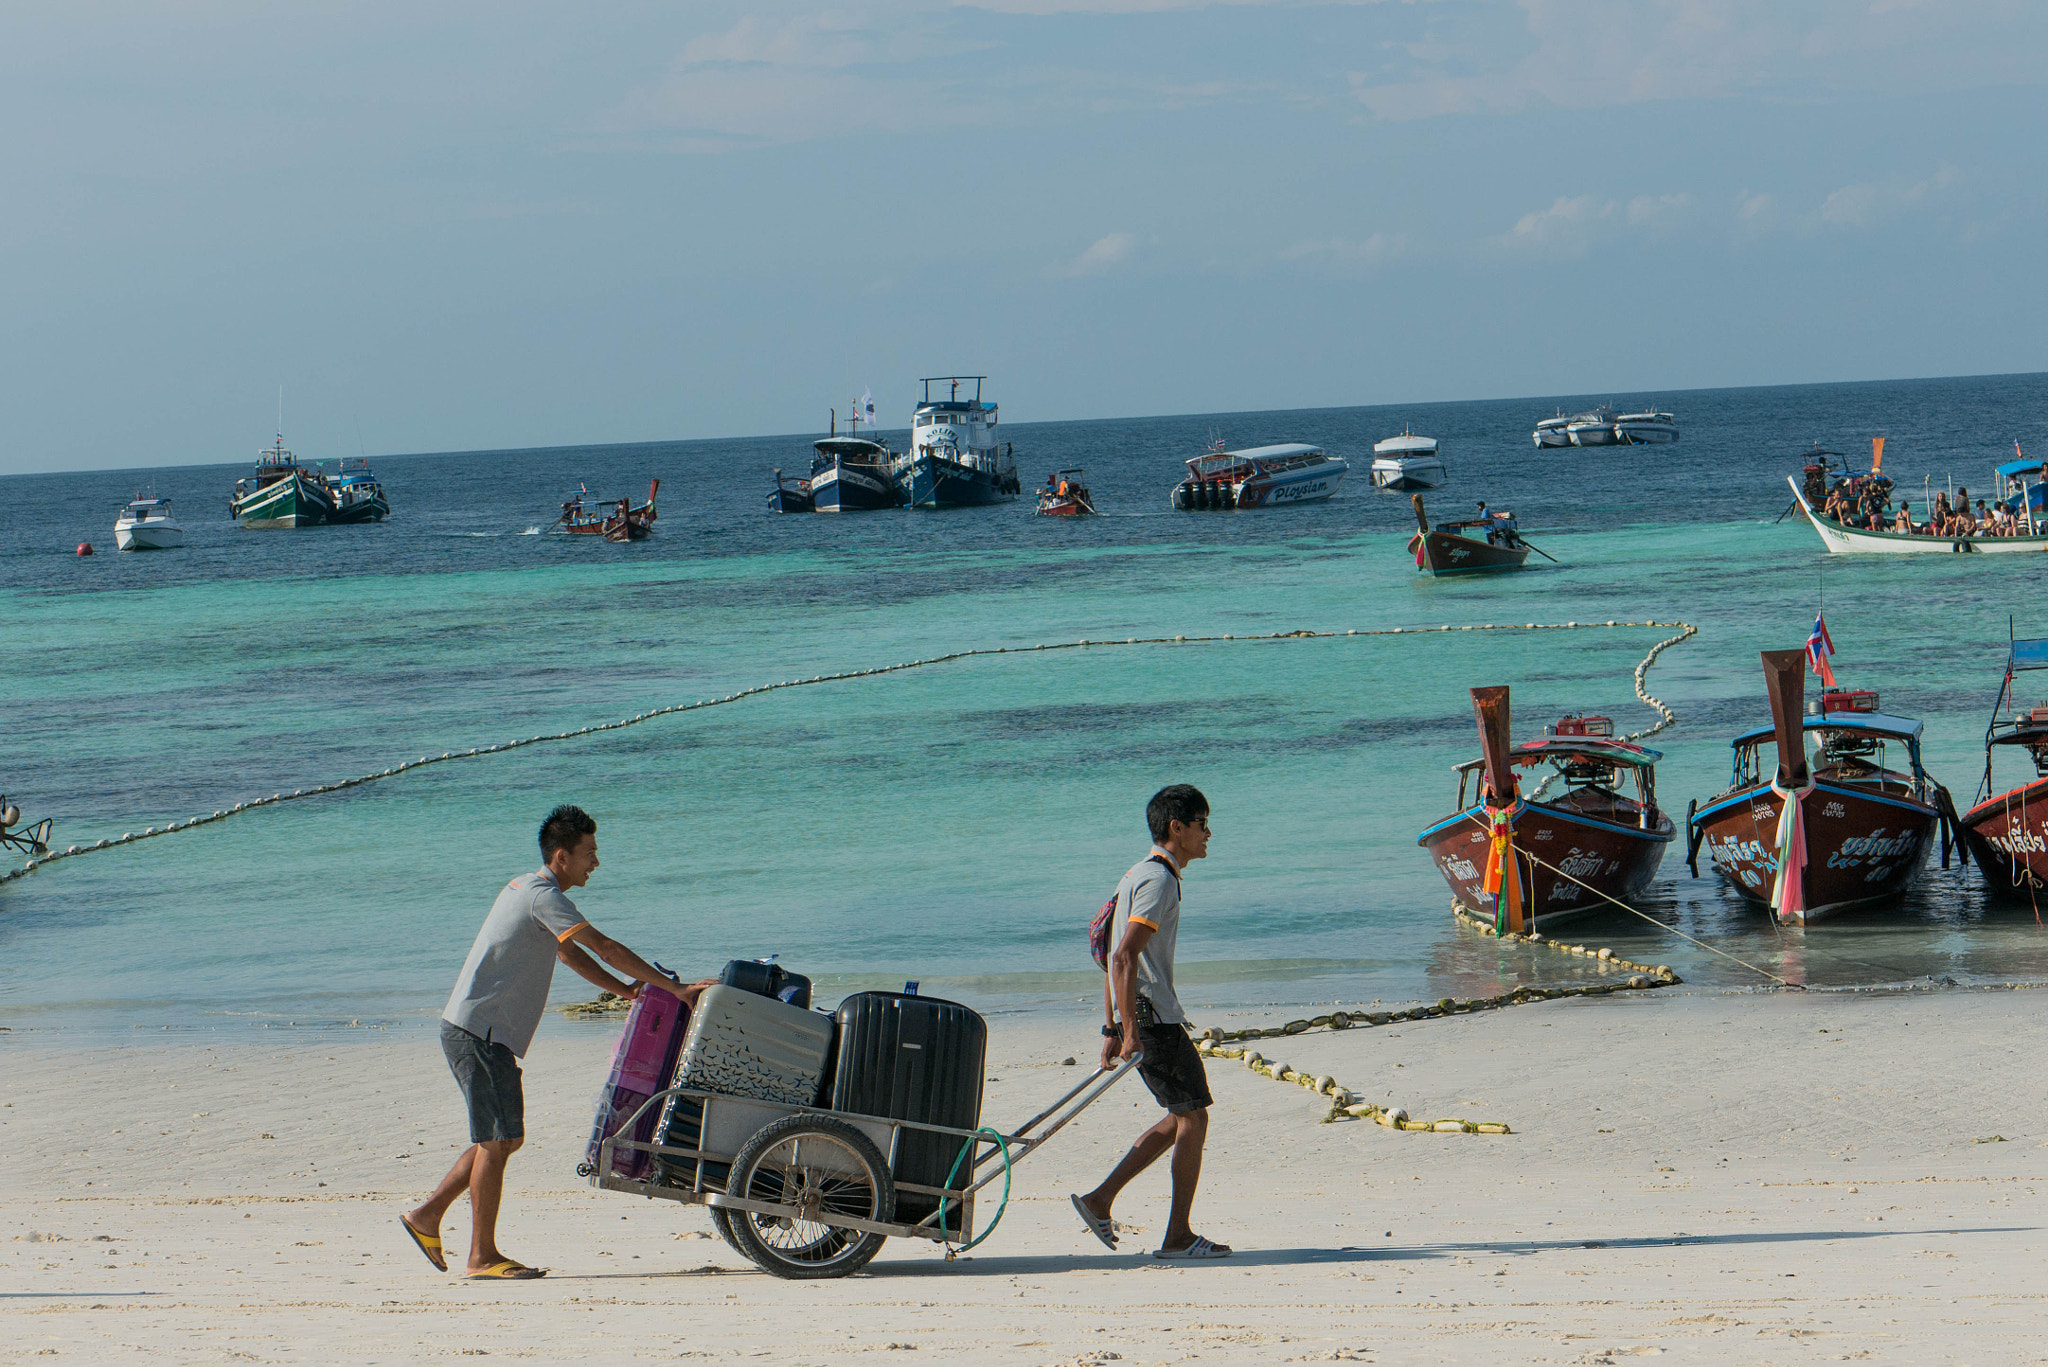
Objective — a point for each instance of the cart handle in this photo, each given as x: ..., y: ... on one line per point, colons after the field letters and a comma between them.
x: 1029, y: 1143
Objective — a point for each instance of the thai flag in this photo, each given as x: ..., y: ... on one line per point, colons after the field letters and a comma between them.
x: 1818, y: 647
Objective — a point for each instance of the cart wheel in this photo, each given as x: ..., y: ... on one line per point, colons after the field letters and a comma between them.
x: 823, y: 1168
x: 721, y: 1220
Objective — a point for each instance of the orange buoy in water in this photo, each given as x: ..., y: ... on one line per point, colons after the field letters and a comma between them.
x: 85, y: 548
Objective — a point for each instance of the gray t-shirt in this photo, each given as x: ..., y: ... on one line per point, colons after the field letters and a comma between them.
x: 1150, y: 895
x: 504, y: 984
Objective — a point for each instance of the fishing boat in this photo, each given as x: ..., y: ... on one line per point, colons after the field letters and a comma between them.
x: 955, y: 460
x: 1476, y: 545
x: 2007, y: 834
x: 282, y: 493
x: 1406, y: 462
x: 612, y: 519
x: 1551, y: 431
x: 1595, y: 427
x: 853, y: 474
x: 355, y: 493
x: 790, y: 495
x: 1259, y: 477
x: 146, y: 524
x: 1527, y: 862
x: 1064, y: 494
x: 1866, y: 814
x: 1645, y: 429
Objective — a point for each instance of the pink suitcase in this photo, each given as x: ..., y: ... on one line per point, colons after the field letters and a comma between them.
x: 643, y: 1065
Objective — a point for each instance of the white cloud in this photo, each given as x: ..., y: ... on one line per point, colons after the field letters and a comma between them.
x: 1574, y: 223
x: 1363, y: 253
x: 1861, y: 205
x: 1106, y: 253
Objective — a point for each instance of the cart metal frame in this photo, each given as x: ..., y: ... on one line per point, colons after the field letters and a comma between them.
x: 728, y: 1122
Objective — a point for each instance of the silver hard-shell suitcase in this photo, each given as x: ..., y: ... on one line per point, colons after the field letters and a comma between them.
x: 747, y: 1046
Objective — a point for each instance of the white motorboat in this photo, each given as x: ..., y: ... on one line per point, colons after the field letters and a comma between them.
x: 1644, y: 429
x: 1259, y: 477
x: 1550, y: 432
x: 1593, y: 428
x: 1406, y: 462
x: 146, y: 524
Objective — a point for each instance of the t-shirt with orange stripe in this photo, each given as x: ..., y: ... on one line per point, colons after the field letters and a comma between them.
x: 504, y: 984
x: 1150, y: 894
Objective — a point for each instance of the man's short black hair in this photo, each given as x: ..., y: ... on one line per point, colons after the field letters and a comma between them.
x: 1182, y: 802
x: 565, y: 826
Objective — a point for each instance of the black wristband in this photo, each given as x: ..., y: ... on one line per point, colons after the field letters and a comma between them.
x: 1112, y: 1032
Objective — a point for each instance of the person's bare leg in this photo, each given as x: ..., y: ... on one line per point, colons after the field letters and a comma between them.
x: 486, y: 1186
x: 1187, y: 1174
x: 427, y: 1216
x: 1143, y: 1154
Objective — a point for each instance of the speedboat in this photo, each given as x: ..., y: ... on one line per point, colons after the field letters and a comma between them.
x: 1551, y: 431
x: 146, y: 524
x: 1594, y: 427
x: 955, y: 460
x: 1259, y: 477
x: 1563, y: 856
x: 1406, y: 462
x: 1645, y: 429
x: 1865, y: 817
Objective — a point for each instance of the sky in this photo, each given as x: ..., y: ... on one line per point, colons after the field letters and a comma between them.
x: 460, y: 226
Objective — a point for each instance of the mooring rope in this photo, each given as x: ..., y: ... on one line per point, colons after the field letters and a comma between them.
x: 477, y: 752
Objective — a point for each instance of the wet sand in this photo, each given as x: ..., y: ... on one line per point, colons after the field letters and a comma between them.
x: 1719, y: 1178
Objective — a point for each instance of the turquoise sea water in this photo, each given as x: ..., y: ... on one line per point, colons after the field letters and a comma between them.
x: 956, y: 824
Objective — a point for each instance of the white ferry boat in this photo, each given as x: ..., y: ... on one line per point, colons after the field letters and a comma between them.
x: 1551, y: 431
x: 1259, y: 477
x: 146, y: 524
x: 955, y: 460
x: 1406, y: 462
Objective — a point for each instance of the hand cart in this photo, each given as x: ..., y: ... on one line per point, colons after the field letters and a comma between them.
x: 806, y: 1192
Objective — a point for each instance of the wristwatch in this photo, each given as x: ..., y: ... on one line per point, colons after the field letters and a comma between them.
x: 1112, y: 1032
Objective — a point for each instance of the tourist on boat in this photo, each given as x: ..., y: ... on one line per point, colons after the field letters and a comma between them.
x: 491, y: 1017
x: 1904, y: 521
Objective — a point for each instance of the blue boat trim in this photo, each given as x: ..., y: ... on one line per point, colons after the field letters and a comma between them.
x: 1479, y: 814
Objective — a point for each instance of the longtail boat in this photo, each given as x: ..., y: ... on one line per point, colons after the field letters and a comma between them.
x: 2008, y: 834
x: 1860, y: 830
x: 1525, y: 862
x: 1490, y: 541
x: 612, y: 519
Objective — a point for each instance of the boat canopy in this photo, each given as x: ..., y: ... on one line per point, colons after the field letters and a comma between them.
x: 850, y: 446
x: 1215, y: 461
x: 1613, y: 752
x: 2020, y: 467
x: 1877, y: 723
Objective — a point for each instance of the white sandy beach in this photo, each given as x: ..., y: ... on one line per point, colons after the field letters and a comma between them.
x: 1716, y: 1178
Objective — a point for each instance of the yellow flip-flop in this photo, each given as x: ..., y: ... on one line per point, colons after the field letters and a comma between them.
x: 429, y: 1244
x: 508, y: 1271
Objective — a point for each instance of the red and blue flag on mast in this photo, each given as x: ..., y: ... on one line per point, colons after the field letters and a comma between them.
x: 1818, y: 647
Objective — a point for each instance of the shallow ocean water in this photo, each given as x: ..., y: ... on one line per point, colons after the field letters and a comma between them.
x: 956, y: 824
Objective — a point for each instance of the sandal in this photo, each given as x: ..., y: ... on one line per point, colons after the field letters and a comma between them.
x: 1098, y: 1225
x: 508, y: 1271
x: 430, y: 1244
x: 1199, y: 1250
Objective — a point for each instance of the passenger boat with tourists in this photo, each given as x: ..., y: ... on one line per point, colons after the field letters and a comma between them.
x: 1926, y: 538
x: 955, y: 460
x: 1259, y: 477
x: 1860, y: 824
x: 1475, y: 545
x: 282, y: 493
x: 1526, y: 862
x: 612, y: 519
x: 2007, y: 834
x: 1406, y: 462
x: 146, y: 524
x: 1065, y: 494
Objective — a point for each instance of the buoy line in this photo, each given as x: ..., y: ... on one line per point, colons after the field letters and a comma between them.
x: 1666, y: 716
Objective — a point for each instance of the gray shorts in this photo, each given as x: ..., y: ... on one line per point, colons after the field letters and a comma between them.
x: 489, y: 1078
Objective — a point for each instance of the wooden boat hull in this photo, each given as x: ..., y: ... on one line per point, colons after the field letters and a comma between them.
x: 1062, y: 507
x: 1618, y: 861
x: 1842, y: 540
x: 293, y: 501
x: 1862, y: 848
x: 2008, y: 837
x: 1443, y: 553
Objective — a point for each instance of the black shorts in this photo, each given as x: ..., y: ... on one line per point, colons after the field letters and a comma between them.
x: 1172, y: 1069
x: 489, y: 1078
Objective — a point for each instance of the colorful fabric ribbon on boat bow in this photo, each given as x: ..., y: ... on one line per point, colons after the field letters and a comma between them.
x: 1788, y: 892
x: 1503, y: 875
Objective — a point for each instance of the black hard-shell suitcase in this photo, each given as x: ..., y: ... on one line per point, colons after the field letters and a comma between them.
x: 765, y: 978
x: 912, y: 1058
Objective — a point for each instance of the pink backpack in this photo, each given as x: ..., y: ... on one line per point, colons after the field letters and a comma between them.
x: 1103, y: 928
